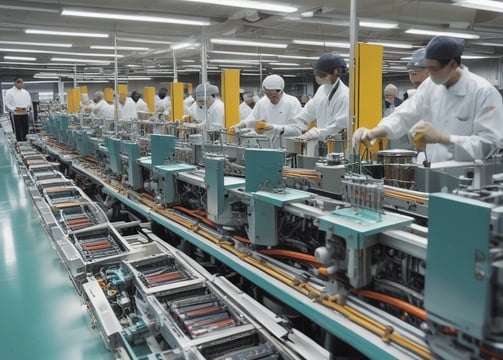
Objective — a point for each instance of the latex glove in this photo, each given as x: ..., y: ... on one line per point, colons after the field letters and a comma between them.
x: 362, y: 135
x: 262, y: 126
x: 427, y: 134
x: 313, y: 134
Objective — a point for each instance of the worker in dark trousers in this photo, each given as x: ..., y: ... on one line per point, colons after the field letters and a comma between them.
x: 18, y: 101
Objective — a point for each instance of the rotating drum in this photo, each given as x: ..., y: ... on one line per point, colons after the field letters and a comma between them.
x: 399, y: 169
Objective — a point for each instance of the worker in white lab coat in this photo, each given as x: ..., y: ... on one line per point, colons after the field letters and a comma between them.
x: 127, y: 108
x: 18, y: 102
x: 100, y: 108
x: 457, y: 114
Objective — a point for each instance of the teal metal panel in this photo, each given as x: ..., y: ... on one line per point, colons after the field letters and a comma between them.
x: 281, y: 198
x: 263, y: 169
x: 215, y: 191
x: 132, y: 150
x: 114, y: 154
x: 458, y: 270
x: 162, y: 148
x: 168, y: 173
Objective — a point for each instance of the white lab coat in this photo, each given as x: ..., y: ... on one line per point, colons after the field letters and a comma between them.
x: 331, y: 116
x: 128, y: 110
x: 141, y: 106
x: 163, y: 105
x: 215, y: 116
x: 470, y: 111
x: 244, y: 110
x: 102, y: 109
x: 17, y: 98
x: 279, y: 115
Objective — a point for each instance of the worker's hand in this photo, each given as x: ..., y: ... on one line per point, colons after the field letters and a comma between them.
x: 427, y: 134
x: 190, y: 125
x: 313, y: 134
x: 362, y: 135
x: 231, y: 131
x: 262, y: 126
x: 187, y: 118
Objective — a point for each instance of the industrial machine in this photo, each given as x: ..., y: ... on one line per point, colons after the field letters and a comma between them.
x: 233, y: 252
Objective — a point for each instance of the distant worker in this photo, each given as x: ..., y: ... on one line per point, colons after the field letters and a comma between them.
x: 162, y: 101
x: 127, y: 108
x: 247, y: 105
x: 458, y: 114
x: 391, y: 99
x: 272, y: 115
x: 330, y: 105
x: 18, y: 102
x: 141, y: 105
x: 100, y: 108
x: 208, y: 110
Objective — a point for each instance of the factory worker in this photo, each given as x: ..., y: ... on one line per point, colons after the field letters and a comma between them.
x: 100, y: 108
x: 273, y: 113
x: 458, y: 114
x: 246, y: 106
x: 162, y: 101
x: 391, y: 99
x: 417, y: 68
x: 141, y: 105
x: 208, y: 109
x: 330, y: 105
x: 18, y: 102
x: 127, y: 108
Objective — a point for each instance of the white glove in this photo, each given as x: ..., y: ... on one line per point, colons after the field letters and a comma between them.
x: 313, y: 134
x: 190, y: 125
x: 362, y: 135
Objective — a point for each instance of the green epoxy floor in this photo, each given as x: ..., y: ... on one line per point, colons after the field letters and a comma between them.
x: 41, y: 313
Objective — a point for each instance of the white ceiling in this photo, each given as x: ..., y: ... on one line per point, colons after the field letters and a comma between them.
x: 329, y: 23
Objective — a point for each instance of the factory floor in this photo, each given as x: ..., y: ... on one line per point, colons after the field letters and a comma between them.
x: 41, y: 313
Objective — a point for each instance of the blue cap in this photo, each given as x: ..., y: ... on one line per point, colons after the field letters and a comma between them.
x: 444, y: 48
x: 417, y: 62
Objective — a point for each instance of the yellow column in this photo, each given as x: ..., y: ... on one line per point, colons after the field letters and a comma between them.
x: 368, y: 86
x: 230, y: 96
x: 122, y: 89
x: 84, y: 89
x: 73, y: 100
x: 109, y: 94
x: 149, y: 97
x: 69, y: 101
x: 176, y: 91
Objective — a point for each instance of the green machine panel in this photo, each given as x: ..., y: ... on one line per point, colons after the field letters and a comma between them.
x: 458, y: 264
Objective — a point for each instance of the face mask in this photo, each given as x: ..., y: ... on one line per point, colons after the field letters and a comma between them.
x: 322, y: 80
x: 441, y: 81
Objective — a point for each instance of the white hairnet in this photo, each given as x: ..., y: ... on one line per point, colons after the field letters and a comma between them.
x: 273, y: 82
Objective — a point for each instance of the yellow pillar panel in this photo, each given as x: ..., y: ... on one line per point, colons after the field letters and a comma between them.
x: 149, y: 97
x: 84, y: 89
x: 176, y: 91
x: 69, y: 101
x: 109, y: 94
x: 368, y: 86
x: 187, y: 87
x: 76, y: 99
x: 122, y: 89
x: 230, y: 96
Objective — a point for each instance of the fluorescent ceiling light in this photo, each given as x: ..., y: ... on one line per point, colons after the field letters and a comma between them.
x: 378, y: 25
x: 392, y: 45
x: 289, y: 75
x: 249, y: 4
x: 248, y: 43
x: 132, y: 48
x: 489, y: 44
x: 65, y: 33
x: 442, y: 33
x: 188, y: 61
x: 93, y: 81
x: 37, y: 51
x: 122, y: 77
x: 16, y: 5
x: 239, y: 53
x: 249, y: 74
x: 87, y: 61
x: 35, y: 43
x: 25, y: 58
x: 146, y: 41
x: 285, y: 64
x: 133, y: 17
x: 337, y: 44
x: 182, y: 45
x: 290, y: 68
x: 238, y: 66
x: 40, y: 82
x: 234, y: 61
x: 488, y: 5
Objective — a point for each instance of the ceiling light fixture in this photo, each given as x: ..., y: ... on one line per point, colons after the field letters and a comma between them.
x: 37, y: 51
x: 248, y: 43
x: 146, y: 41
x: 132, y: 48
x: 290, y: 68
x: 15, y: 5
x: 25, y: 58
x: 87, y: 61
x: 392, y: 45
x: 133, y: 17
x: 250, y: 4
x: 182, y: 45
x: 488, y: 5
x: 65, y: 33
x: 234, y: 61
x: 337, y: 44
x: 442, y: 33
x: 378, y: 25
x: 26, y: 43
